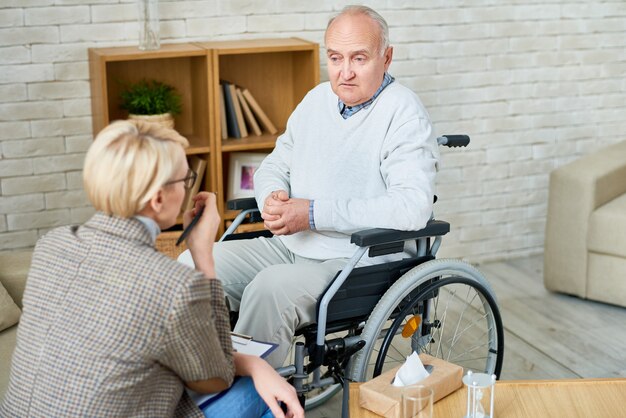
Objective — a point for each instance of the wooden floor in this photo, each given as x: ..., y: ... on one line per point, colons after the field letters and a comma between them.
x: 547, y: 335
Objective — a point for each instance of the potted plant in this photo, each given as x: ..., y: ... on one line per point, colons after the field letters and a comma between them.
x: 152, y: 101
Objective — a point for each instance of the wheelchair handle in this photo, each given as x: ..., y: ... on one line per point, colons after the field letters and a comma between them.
x: 454, y: 140
x: 242, y: 204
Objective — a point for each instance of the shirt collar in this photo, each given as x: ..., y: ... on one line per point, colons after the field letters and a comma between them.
x: 150, y: 224
x: 347, y: 111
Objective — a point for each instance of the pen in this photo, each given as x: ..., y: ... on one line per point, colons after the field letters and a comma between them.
x: 245, y: 337
x: 193, y: 223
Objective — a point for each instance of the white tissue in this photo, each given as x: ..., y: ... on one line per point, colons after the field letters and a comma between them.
x: 411, y: 372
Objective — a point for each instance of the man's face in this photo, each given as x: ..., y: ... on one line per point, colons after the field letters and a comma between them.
x: 355, y: 64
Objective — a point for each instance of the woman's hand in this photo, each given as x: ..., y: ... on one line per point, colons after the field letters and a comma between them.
x: 202, y: 237
x: 271, y: 386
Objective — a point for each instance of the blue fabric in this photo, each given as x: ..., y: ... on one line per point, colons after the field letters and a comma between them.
x: 311, y: 215
x: 347, y: 111
x: 240, y: 401
x: 151, y: 226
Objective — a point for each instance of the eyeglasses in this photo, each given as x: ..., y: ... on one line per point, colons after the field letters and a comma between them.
x: 189, y: 180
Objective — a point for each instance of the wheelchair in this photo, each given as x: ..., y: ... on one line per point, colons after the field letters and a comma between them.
x: 369, y: 319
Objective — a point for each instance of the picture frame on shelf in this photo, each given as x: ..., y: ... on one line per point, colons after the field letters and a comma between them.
x: 242, y: 166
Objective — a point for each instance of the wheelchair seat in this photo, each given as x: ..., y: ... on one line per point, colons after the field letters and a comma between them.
x: 356, y: 298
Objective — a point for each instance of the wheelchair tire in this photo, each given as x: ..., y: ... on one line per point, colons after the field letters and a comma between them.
x: 312, y: 402
x: 463, y: 327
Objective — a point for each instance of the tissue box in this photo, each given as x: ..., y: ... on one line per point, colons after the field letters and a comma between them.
x: 380, y: 397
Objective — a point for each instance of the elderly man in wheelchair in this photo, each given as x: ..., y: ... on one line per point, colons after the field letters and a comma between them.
x: 370, y: 318
x: 358, y: 153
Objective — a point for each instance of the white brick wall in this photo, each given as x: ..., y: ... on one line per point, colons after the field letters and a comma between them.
x: 535, y: 84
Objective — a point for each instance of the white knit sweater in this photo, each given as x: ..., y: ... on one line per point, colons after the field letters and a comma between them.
x: 375, y: 169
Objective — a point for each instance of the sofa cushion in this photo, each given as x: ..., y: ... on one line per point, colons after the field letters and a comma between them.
x: 8, y: 339
x: 9, y: 312
x: 607, y: 228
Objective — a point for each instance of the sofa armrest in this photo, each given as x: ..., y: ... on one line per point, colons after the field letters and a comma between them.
x: 14, y: 266
x: 576, y: 190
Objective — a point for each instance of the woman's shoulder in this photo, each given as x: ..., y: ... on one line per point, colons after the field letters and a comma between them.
x: 162, y: 265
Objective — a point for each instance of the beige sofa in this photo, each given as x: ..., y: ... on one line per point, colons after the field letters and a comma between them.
x: 585, y: 245
x: 13, y: 271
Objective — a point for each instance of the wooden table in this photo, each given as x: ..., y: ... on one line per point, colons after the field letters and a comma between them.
x: 605, y: 398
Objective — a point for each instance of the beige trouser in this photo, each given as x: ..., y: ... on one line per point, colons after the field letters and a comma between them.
x: 274, y: 290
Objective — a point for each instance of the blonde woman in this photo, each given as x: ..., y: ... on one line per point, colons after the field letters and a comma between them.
x: 110, y: 326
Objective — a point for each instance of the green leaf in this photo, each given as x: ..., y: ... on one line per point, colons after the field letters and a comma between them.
x: 150, y: 98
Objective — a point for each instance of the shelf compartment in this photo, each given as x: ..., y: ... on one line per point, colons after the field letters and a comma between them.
x: 183, y: 66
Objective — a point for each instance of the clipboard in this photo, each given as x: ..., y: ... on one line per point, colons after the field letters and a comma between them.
x: 247, y: 345
x: 242, y: 344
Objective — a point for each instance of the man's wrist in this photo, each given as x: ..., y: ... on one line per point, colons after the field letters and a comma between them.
x: 311, y: 215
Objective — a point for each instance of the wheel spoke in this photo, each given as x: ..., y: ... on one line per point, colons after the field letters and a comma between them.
x: 463, y: 312
x: 470, y: 359
x: 402, y: 359
x: 464, y: 330
x: 443, y: 325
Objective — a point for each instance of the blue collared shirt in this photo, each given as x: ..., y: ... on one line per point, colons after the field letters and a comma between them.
x: 151, y: 226
x: 347, y: 111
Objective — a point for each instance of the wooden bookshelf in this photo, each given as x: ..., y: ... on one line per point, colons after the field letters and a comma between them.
x: 278, y: 73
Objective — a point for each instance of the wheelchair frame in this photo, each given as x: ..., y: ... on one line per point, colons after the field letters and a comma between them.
x: 337, y: 354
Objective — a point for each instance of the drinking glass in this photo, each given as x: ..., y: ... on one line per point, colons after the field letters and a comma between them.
x: 417, y: 402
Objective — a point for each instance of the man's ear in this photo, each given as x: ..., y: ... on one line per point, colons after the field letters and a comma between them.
x: 388, y: 57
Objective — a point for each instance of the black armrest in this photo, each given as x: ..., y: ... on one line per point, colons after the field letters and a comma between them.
x: 379, y: 236
x: 242, y: 204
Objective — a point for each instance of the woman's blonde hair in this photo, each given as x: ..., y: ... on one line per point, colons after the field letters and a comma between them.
x: 127, y: 164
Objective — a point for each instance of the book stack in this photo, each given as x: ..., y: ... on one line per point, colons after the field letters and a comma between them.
x: 241, y: 114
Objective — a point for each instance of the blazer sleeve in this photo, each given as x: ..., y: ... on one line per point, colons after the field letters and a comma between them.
x: 197, y: 336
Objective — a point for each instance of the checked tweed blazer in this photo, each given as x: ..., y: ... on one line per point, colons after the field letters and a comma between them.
x: 111, y: 327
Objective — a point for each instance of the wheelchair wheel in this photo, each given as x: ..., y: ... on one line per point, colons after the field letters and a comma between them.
x: 321, y: 396
x: 318, y: 396
x: 444, y: 308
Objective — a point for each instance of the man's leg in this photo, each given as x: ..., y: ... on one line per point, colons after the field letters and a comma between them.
x: 238, y: 262
x: 282, y: 298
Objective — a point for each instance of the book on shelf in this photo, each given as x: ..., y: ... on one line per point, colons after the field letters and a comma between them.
x: 238, y: 113
x: 198, y: 165
x: 223, y: 124
x: 247, y: 113
x: 260, y: 114
x: 231, y: 117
